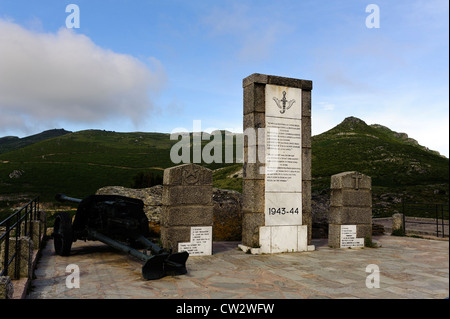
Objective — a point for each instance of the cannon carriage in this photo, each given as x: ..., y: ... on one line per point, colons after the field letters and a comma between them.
x: 119, y: 222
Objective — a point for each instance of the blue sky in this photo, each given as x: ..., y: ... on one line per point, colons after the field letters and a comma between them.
x: 159, y: 65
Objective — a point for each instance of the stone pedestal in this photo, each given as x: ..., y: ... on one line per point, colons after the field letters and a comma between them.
x: 277, y: 164
x: 350, y: 216
x: 187, y: 211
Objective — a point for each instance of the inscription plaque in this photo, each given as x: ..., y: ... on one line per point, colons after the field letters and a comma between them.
x: 201, y: 242
x: 348, y: 237
x: 283, y: 153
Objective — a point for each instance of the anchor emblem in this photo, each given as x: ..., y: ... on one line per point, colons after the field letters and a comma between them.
x: 282, y: 103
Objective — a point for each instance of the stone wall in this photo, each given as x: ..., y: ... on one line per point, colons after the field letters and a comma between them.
x: 227, y: 209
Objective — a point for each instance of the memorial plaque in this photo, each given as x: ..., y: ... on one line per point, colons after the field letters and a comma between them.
x: 283, y: 209
x: 201, y: 242
x: 283, y: 170
x: 348, y: 237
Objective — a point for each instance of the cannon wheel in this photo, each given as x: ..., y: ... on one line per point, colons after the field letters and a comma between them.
x: 63, y: 234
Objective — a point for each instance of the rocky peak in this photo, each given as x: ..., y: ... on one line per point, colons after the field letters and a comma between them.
x: 351, y: 120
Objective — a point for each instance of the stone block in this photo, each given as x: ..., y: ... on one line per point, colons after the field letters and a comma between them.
x: 254, y: 98
x: 187, y: 216
x: 350, y: 215
x: 277, y: 80
x: 307, y: 221
x: 334, y: 236
x: 306, y: 196
x: 182, y: 195
x: 364, y: 231
x: 306, y: 103
x: 253, y: 194
x: 306, y: 131
x: 255, y: 154
x: 306, y: 163
x: 350, y: 197
x: 187, y: 175
x: 255, y: 120
x: 171, y: 236
x: 251, y: 222
x: 253, y: 171
x: 351, y: 180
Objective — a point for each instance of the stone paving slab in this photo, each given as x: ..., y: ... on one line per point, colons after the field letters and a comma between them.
x: 410, y: 268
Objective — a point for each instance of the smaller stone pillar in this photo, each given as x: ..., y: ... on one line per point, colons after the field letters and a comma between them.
x: 24, y: 256
x: 187, y: 211
x: 36, y: 233
x: 350, y: 216
x: 397, y: 224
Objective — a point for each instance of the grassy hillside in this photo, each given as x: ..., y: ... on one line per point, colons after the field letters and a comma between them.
x: 376, y: 151
x: 79, y: 163
x: 10, y: 143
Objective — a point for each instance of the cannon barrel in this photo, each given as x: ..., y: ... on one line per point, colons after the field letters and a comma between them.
x: 63, y: 198
x: 156, y: 266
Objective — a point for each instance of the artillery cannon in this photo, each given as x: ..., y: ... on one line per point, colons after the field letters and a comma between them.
x: 119, y: 222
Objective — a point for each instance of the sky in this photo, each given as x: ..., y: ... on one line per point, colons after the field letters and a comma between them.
x: 157, y: 66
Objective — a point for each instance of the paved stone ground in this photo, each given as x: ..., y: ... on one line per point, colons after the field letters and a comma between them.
x: 409, y: 268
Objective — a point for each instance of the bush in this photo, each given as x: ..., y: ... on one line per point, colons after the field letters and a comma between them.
x: 147, y: 179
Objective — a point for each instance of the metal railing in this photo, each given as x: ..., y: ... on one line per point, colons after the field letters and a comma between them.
x: 16, y: 225
x: 437, y: 211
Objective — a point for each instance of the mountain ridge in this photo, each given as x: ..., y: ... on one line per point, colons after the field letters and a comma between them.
x: 10, y: 143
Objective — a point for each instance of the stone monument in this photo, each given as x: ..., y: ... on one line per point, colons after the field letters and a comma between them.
x: 187, y: 210
x: 350, y: 216
x: 277, y: 164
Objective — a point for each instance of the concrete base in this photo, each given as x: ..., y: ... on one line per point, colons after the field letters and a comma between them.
x: 281, y: 239
x: 257, y: 251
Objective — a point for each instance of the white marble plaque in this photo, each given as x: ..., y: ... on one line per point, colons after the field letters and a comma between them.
x: 283, y: 209
x: 348, y: 237
x: 283, y: 101
x: 283, y: 230
x: 283, y: 154
x: 201, y: 242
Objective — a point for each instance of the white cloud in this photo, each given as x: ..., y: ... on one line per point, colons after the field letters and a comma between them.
x: 47, y: 78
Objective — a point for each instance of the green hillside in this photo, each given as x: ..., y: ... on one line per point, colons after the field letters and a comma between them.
x: 10, y: 143
x: 390, y: 158
x: 79, y: 163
